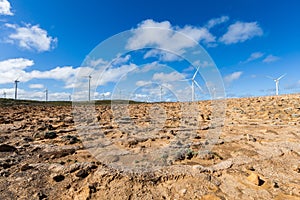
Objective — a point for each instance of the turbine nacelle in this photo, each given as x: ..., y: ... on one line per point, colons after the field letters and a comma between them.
x: 276, y: 80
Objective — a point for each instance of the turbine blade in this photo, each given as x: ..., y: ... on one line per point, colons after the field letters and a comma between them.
x: 198, y: 86
x: 270, y: 77
x: 195, y: 73
x: 281, y: 77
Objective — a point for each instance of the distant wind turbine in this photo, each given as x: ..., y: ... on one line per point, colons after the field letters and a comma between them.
x: 89, y: 77
x: 194, y: 82
x: 16, y: 88
x: 46, y: 94
x: 276, y: 80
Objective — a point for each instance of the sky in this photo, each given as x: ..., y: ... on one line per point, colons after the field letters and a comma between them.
x: 55, y: 45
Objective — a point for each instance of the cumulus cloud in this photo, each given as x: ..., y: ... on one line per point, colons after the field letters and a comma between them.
x: 143, y: 83
x: 31, y: 37
x: 240, y: 32
x: 231, y: 77
x: 253, y: 56
x: 14, y: 68
x: 36, y: 86
x: 162, y: 55
x: 165, y: 36
x: 216, y: 21
x: 168, y: 77
x: 270, y: 58
x: 5, y: 8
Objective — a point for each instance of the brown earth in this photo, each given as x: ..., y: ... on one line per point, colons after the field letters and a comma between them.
x: 257, y: 155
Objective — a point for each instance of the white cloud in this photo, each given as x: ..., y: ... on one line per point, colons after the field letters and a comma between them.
x: 270, y: 58
x: 31, y: 37
x: 143, y: 83
x: 5, y: 8
x: 165, y: 36
x: 114, y: 74
x: 36, y: 86
x: 240, y: 32
x: 231, y: 77
x: 203, y: 64
x: 216, y: 21
x: 121, y: 60
x: 162, y: 55
x: 168, y: 77
x: 12, y: 69
x: 254, y: 56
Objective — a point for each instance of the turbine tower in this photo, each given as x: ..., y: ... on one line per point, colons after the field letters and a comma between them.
x: 89, y: 77
x: 46, y: 94
x: 161, y: 92
x: 276, y: 80
x: 16, y: 88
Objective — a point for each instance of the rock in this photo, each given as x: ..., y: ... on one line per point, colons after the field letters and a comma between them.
x: 295, y: 115
x: 251, y: 138
x: 40, y: 195
x: 255, y: 179
x: 223, y: 165
x: 58, y: 177
x: 25, y: 167
x: 70, y: 139
x: 296, y: 168
x: 82, y: 173
x: 60, y: 153
x: 7, y: 148
x: 57, y: 168
x: 69, y: 120
x: 182, y: 192
x: 50, y: 135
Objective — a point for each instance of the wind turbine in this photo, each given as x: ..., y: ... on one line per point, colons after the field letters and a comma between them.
x: 194, y: 82
x: 89, y: 77
x: 161, y: 91
x: 16, y: 88
x: 46, y: 94
x: 276, y: 80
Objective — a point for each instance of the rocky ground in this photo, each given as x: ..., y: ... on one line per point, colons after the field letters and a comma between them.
x: 43, y: 155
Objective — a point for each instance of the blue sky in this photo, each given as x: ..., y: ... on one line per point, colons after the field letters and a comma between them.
x: 44, y: 43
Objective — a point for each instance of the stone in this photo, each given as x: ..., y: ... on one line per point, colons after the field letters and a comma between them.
x: 255, y: 179
x: 7, y: 148
x: 58, y: 177
x: 25, y: 167
x: 182, y: 192
x: 50, y: 135
x: 296, y: 168
x: 82, y: 173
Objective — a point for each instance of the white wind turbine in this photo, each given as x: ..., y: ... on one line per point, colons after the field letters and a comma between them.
x: 46, y: 94
x: 194, y: 82
x: 89, y: 77
x: 16, y: 88
x: 276, y: 80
